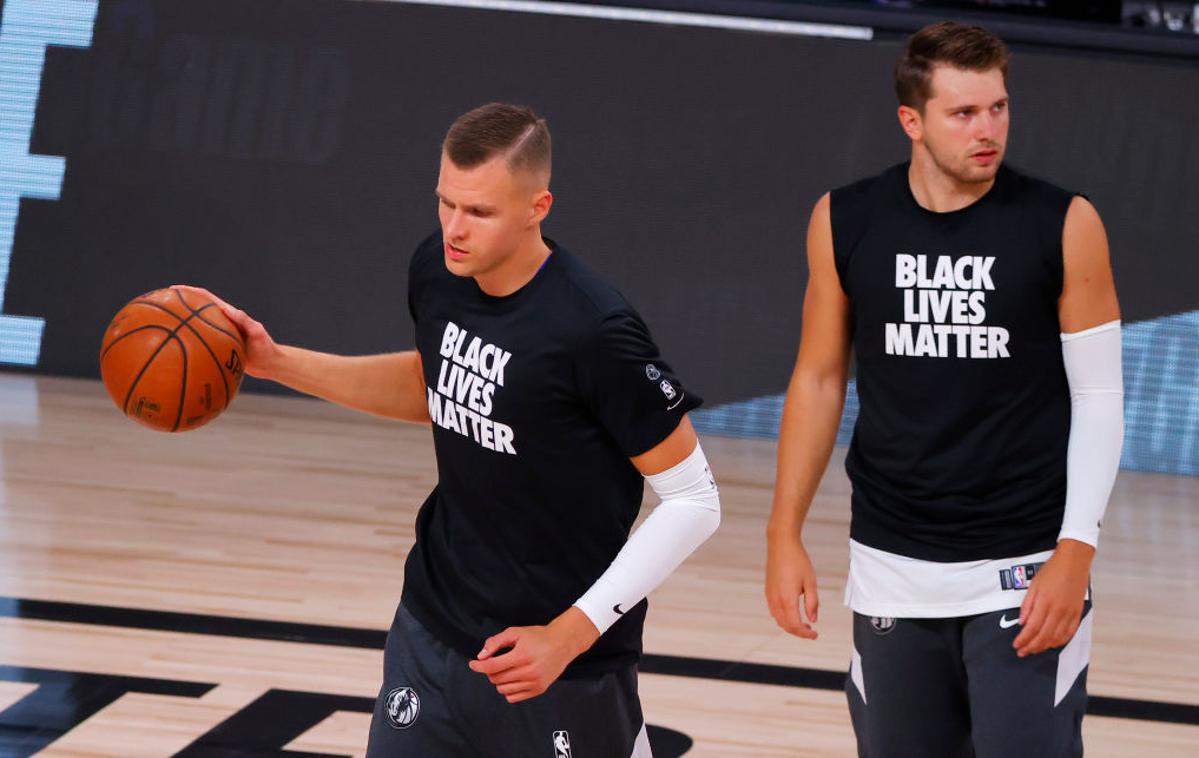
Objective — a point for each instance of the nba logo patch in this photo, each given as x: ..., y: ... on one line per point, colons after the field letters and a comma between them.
x: 1019, y: 578
x: 562, y: 744
x: 667, y: 389
x: 402, y: 707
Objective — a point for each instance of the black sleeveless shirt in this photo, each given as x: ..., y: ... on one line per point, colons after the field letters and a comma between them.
x: 959, y: 452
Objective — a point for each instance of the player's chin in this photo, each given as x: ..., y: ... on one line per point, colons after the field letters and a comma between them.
x: 974, y: 173
x: 459, y: 267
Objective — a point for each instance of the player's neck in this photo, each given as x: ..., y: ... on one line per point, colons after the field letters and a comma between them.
x: 939, y: 192
x: 518, y: 270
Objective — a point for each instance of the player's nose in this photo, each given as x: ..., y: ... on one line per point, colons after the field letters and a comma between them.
x: 985, y: 127
x: 456, y: 226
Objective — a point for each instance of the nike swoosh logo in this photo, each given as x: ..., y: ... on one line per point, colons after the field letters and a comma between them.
x: 1005, y: 624
x: 616, y: 608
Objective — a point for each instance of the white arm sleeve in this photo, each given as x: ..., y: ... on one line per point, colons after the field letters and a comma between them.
x: 1096, y: 381
x: 688, y: 514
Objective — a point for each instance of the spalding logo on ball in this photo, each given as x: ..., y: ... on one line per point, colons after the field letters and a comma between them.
x: 171, y: 360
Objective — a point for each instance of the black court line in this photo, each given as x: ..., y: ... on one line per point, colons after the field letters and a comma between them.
x: 374, y: 639
x: 62, y: 700
x: 191, y: 623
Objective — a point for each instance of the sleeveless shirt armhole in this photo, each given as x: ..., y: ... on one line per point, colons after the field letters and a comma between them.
x: 842, y: 245
x: 1058, y: 264
x: 851, y: 209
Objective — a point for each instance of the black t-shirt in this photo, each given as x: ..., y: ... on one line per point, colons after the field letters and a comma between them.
x: 959, y: 452
x: 538, y: 401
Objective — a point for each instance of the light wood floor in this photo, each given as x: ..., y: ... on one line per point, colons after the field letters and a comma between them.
x: 292, y: 510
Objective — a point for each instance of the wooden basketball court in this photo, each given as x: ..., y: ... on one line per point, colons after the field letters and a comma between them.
x: 227, y: 592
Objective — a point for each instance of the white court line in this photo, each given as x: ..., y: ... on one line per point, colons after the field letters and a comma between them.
x: 649, y: 16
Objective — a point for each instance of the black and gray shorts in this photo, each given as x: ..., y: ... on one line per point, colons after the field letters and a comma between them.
x: 432, y: 705
x: 954, y: 688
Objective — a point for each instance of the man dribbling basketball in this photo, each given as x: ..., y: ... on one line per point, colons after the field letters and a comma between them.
x: 980, y: 307
x: 520, y: 623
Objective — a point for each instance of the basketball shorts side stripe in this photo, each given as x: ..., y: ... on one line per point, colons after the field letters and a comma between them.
x: 1073, y: 659
x: 641, y: 745
x: 855, y: 673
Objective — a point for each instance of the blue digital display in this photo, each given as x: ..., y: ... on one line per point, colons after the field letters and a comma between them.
x: 1161, y: 395
x: 26, y: 28
x: 1161, y: 400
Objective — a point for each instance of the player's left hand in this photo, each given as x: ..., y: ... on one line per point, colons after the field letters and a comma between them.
x: 1053, y: 607
x: 538, y: 654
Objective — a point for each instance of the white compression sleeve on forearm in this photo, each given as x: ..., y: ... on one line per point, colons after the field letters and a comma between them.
x: 688, y: 514
x: 1093, y: 370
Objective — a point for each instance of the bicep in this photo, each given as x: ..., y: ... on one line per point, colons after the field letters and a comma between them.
x: 825, y: 339
x: 418, y: 367
x: 405, y: 380
x: 1088, y: 295
x: 629, y: 389
x: 670, y: 452
x: 419, y: 387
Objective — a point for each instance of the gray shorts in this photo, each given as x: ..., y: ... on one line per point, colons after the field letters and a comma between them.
x: 954, y: 688
x: 432, y: 705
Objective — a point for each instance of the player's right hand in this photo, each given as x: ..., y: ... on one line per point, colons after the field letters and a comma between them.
x: 261, y: 349
x: 790, y: 577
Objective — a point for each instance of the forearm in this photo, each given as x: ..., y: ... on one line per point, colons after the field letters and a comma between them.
x: 811, y: 416
x: 1093, y: 371
x: 389, y: 384
x: 688, y: 514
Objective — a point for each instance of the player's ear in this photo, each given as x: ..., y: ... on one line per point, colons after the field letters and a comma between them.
x: 911, y: 121
x: 540, y: 207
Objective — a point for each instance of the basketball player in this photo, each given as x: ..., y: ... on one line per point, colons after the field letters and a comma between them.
x: 519, y: 627
x: 981, y: 311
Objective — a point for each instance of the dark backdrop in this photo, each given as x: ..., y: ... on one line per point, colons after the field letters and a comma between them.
x: 283, y: 153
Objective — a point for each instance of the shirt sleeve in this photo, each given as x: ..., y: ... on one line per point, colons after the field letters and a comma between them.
x: 628, y: 386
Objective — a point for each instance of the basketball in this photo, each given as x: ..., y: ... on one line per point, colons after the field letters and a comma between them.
x: 171, y: 360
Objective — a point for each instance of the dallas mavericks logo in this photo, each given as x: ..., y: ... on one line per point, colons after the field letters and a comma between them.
x: 882, y: 625
x: 562, y: 745
x: 402, y: 706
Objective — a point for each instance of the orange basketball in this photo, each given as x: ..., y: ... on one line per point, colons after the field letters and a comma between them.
x: 171, y: 360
